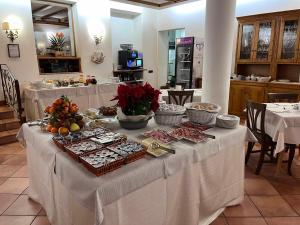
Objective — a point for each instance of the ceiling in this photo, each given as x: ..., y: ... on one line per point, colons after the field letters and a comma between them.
x: 157, y: 3
x: 44, y: 13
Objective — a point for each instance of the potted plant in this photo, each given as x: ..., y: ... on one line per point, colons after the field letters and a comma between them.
x: 57, y: 43
x: 136, y: 105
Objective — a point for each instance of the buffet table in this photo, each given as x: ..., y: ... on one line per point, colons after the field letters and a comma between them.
x: 86, y: 97
x: 188, y: 188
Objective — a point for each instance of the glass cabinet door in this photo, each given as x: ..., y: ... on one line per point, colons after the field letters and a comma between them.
x: 289, y: 39
x: 246, y: 42
x: 264, y: 40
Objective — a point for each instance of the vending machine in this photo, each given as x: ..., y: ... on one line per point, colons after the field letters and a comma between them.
x: 184, y: 61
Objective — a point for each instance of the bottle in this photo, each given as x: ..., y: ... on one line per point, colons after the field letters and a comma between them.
x: 93, y: 80
x: 81, y: 80
x: 88, y: 80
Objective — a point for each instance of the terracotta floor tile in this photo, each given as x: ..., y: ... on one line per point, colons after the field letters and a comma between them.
x: 283, y: 221
x: 219, y: 221
x: 22, y: 172
x: 259, y: 186
x: 246, y: 221
x: 42, y: 212
x: 294, y: 201
x: 2, y: 180
x: 6, y: 200
x: 16, y: 220
x: 41, y: 220
x: 14, y: 185
x: 249, y: 173
x: 273, y: 206
x: 25, y: 192
x: 13, y: 148
x: 16, y: 160
x: 3, y: 158
x: 286, y: 185
x: 8, y: 170
x: 246, y: 209
x: 23, y: 206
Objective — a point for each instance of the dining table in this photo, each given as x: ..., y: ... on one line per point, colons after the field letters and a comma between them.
x: 191, y: 187
x: 282, y: 124
x: 91, y: 96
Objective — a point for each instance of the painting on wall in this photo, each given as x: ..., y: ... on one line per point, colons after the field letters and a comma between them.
x: 13, y: 50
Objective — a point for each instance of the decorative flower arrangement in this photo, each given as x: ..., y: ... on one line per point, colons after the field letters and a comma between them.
x: 63, y: 116
x: 57, y: 41
x: 137, y: 100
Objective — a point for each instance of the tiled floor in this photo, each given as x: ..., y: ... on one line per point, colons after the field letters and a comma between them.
x: 269, y: 199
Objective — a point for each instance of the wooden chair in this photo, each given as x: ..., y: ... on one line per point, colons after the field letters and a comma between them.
x: 256, y: 123
x: 290, y: 98
x: 283, y: 97
x: 180, y: 97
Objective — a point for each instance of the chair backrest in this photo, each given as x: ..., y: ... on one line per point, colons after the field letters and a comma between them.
x: 283, y: 97
x: 256, y: 118
x: 180, y: 97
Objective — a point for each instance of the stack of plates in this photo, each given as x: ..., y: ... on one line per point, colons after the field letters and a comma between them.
x: 227, y: 121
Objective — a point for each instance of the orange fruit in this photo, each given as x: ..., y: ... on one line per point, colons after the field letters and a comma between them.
x: 49, y: 127
x: 54, y: 130
x: 47, y: 109
x: 63, y: 131
x: 51, y: 110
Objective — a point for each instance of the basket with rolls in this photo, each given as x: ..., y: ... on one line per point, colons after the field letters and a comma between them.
x: 169, y: 114
x: 202, y: 113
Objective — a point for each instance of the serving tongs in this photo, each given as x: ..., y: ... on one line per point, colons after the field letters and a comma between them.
x: 208, y: 135
x: 155, y: 145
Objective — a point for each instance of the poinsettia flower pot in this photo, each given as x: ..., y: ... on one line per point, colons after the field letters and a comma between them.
x: 133, y: 122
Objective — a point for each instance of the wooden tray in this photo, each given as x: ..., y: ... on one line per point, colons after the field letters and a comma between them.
x: 130, y: 157
x: 104, y: 169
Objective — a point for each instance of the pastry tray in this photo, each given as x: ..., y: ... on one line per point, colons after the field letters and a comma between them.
x: 131, y: 156
x: 82, y: 147
x: 102, y: 167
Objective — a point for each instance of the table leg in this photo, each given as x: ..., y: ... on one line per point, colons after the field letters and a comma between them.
x: 279, y: 163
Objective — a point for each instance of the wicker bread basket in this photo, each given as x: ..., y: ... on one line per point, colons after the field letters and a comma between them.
x: 205, y: 114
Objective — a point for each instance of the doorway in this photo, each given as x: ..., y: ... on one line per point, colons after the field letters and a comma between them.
x: 167, y: 54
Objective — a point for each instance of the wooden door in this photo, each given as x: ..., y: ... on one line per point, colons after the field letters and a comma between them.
x: 264, y: 39
x: 288, y: 48
x: 245, y: 46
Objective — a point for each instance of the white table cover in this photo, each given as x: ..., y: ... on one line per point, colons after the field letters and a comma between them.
x: 282, y: 124
x: 188, y: 188
x: 85, y: 97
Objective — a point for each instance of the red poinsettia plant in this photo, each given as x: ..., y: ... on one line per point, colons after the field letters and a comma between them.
x: 138, y: 99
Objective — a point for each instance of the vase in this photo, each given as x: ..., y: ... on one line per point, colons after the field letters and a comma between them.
x: 133, y: 122
x: 58, y: 53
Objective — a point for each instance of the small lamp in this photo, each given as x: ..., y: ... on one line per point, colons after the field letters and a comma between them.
x: 11, y: 34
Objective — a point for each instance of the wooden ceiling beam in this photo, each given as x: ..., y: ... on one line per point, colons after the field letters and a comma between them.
x: 54, y: 13
x: 59, y: 23
x: 145, y: 2
x: 43, y: 7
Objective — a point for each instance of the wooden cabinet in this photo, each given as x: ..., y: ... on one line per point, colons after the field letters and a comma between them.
x: 255, y: 41
x: 288, y: 46
x: 241, y: 92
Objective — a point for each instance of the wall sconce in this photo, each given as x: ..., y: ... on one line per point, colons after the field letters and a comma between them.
x: 11, y: 34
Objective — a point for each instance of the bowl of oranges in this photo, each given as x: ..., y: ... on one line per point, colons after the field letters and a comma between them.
x: 63, y: 117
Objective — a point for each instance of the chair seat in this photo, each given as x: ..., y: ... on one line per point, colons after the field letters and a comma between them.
x: 267, y: 139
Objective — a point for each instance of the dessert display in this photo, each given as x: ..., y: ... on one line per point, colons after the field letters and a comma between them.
x: 61, y: 140
x: 77, y: 149
x: 189, y: 134
x: 63, y: 117
x: 196, y: 126
x: 204, y: 106
x: 108, y: 138
x: 102, y: 161
x: 130, y: 150
x: 94, y: 132
x: 108, y: 111
x: 170, y: 109
x: 159, y: 135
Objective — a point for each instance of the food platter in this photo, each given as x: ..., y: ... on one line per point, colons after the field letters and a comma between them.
x: 188, y: 134
x: 160, y: 135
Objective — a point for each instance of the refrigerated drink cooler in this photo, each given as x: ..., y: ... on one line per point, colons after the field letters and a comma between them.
x: 184, y: 61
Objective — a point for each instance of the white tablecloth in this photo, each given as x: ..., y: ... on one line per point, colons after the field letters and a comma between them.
x: 188, y: 188
x: 282, y: 124
x: 86, y: 97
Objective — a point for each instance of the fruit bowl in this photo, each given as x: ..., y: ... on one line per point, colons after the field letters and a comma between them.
x: 63, y: 117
